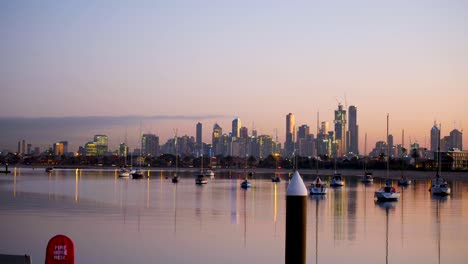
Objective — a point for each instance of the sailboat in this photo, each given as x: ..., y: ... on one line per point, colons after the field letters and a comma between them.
x: 124, y: 172
x: 337, y: 180
x: 403, y: 181
x: 138, y: 174
x: 387, y: 192
x: 439, y: 185
x: 367, y: 177
x: 245, y: 183
x: 201, y: 179
x: 318, y: 187
x: 175, y: 178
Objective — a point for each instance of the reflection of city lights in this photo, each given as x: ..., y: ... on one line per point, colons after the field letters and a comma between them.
x: 76, y: 185
x: 148, y: 192
x: 14, y: 184
x: 276, y: 203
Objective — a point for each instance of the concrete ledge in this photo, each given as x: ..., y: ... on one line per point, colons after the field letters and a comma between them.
x: 15, y: 259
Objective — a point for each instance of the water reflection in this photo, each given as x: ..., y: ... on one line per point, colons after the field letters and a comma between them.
x: 317, y: 199
x: 437, y: 203
x: 387, y: 206
x: 238, y: 225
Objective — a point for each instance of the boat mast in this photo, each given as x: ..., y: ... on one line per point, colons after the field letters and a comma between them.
x: 438, y: 153
x: 388, y: 149
x: 365, y: 152
x: 176, y: 153
x: 402, y: 147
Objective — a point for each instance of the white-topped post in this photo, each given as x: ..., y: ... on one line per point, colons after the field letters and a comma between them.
x: 296, y: 221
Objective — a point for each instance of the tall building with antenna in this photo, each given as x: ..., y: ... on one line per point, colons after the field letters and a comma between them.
x: 340, y: 131
x: 198, y: 139
x: 435, y: 135
x: 236, y: 125
x: 290, y: 134
x: 353, y: 136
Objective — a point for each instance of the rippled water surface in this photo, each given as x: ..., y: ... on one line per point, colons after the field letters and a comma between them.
x: 113, y: 220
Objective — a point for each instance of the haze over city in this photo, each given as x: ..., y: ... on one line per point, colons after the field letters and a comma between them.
x: 73, y: 70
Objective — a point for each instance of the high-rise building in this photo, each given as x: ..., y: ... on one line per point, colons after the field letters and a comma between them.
x: 266, y: 146
x: 19, y: 147
x: 456, y: 139
x: 353, y: 140
x: 101, y: 144
x: 290, y: 134
x: 123, y: 150
x: 435, y: 137
x: 23, y: 147
x: 303, y: 131
x: 216, y: 139
x: 236, y: 125
x: 198, y: 140
x: 149, y: 144
x: 59, y: 148
x: 305, y: 141
x: 390, y: 151
x: 340, y: 130
x: 28, y: 149
x: 244, y: 132
x: 90, y: 149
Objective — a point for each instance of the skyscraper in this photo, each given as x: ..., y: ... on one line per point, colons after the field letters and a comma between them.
x: 244, y: 132
x: 198, y: 140
x: 353, y: 139
x: 290, y: 134
x: 101, y: 144
x: 236, y: 125
x: 150, y: 144
x: 216, y: 139
x: 456, y: 139
x: 435, y: 136
x: 340, y: 130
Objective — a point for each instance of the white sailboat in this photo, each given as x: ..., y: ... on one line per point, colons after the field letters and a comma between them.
x: 318, y: 187
x: 138, y: 173
x: 201, y: 178
x: 245, y: 183
x: 175, y: 178
x: 403, y: 181
x: 439, y: 185
x: 337, y: 180
x: 387, y: 192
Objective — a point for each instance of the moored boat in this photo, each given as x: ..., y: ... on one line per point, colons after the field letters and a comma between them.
x: 245, y: 184
x: 403, y: 181
x: 367, y: 178
x: 137, y: 174
x: 439, y: 186
x: 210, y: 174
x: 318, y: 187
x: 49, y: 169
x: 387, y: 193
x: 337, y: 180
x: 124, y: 173
x: 201, y: 179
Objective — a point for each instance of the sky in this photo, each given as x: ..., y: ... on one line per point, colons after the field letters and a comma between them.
x: 72, y: 69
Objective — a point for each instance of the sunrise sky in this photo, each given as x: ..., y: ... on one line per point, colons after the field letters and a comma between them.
x: 119, y: 67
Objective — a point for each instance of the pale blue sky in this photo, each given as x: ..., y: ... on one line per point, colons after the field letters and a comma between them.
x: 257, y: 60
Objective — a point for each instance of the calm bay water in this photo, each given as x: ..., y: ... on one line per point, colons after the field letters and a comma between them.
x: 113, y: 220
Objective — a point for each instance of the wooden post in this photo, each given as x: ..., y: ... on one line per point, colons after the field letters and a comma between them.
x: 296, y: 221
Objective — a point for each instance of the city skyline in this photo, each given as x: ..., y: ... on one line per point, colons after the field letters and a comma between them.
x: 73, y: 70
x: 136, y: 142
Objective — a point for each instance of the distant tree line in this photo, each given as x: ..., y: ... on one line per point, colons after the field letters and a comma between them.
x: 189, y: 161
